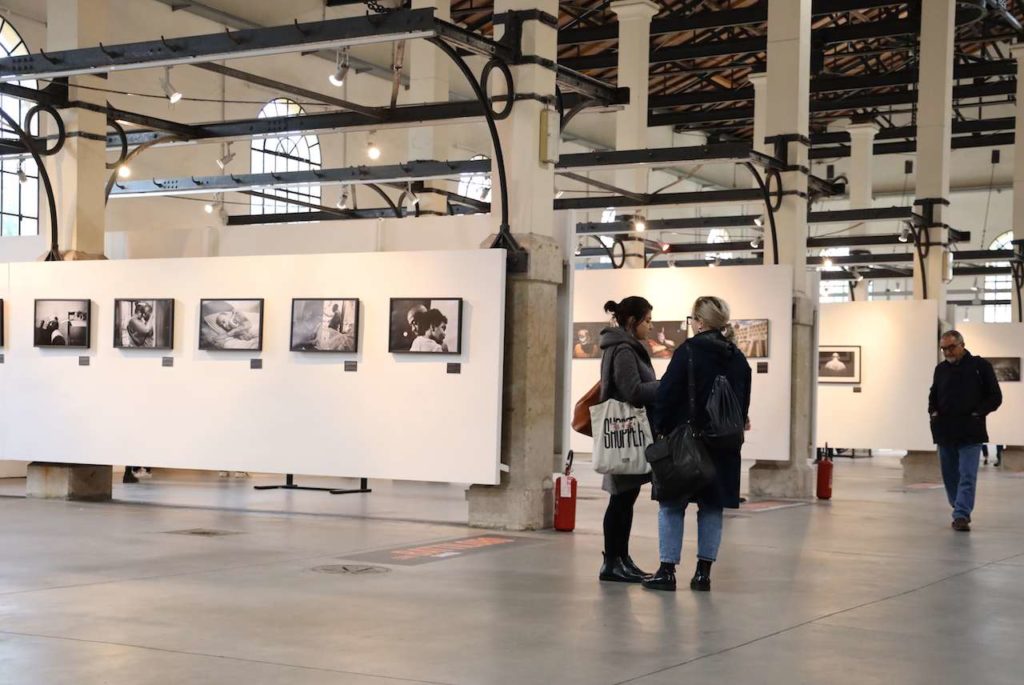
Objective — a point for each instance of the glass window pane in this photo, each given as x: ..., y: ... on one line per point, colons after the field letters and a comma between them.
x: 29, y: 227
x: 30, y: 198
x: 8, y: 225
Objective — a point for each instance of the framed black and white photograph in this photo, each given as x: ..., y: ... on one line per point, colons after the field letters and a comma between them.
x: 63, y: 323
x: 839, y: 364
x: 426, y: 325
x: 1, y: 323
x: 585, y: 339
x: 325, y: 325
x: 752, y: 337
x: 1007, y: 368
x: 231, y: 324
x: 144, y: 324
x: 665, y: 338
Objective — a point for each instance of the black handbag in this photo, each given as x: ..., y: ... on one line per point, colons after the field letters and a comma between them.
x: 681, y: 464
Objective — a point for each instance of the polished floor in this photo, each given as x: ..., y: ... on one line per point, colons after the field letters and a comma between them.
x: 872, y: 587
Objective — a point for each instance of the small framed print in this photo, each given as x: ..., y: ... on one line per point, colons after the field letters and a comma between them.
x: 231, y: 324
x: 426, y: 325
x: 63, y: 323
x: 839, y: 364
x: 322, y: 325
x: 144, y: 324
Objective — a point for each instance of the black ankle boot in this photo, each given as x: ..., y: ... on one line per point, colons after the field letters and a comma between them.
x: 628, y: 562
x: 614, y: 570
x: 701, y: 580
x: 664, y: 579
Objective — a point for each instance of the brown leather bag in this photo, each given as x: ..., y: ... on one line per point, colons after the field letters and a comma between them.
x: 581, y: 414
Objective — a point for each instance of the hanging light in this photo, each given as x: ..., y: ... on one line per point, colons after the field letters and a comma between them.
x: 226, y: 159
x: 124, y: 171
x: 22, y: 176
x: 639, y: 223
x: 337, y: 79
x: 756, y: 242
x: 579, y: 248
x: 664, y: 247
x: 208, y: 208
x: 172, y: 93
x: 828, y: 263
x: 904, y: 234
x: 559, y: 194
x: 411, y: 199
x: 857, y: 275
x: 758, y: 221
x: 372, y: 151
x: 344, y: 199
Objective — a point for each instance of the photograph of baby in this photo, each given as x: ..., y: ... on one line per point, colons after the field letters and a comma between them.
x: 665, y: 338
x: 325, y: 325
x: 62, y: 323
x: 145, y: 324
x: 231, y: 324
x: 427, y: 325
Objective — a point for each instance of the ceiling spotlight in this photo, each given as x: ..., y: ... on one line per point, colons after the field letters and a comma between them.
x: 22, y: 176
x: 411, y: 199
x: 828, y: 264
x: 124, y: 171
x: 372, y: 151
x: 226, y: 159
x: 904, y: 234
x: 857, y: 275
x: 664, y: 247
x: 559, y: 194
x: 337, y: 79
x: 208, y: 208
x: 344, y: 199
x: 715, y: 262
x: 756, y: 242
x: 579, y: 248
x: 639, y: 224
x: 172, y: 93
x: 758, y: 221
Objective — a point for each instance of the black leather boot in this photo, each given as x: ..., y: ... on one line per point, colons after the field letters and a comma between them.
x: 615, y: 571
x: 630, y: 565
x: 664, y: 579
x: 701, y: 580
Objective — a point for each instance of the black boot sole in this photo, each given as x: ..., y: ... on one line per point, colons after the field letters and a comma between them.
x: 617, y: 579
x: 659, y: 587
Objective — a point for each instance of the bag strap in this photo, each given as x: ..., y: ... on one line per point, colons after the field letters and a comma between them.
x: 606, y: 371
x: 691, y: 387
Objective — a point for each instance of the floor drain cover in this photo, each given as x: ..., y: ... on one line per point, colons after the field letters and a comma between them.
x: 203, y: 532
x: 350, y: 569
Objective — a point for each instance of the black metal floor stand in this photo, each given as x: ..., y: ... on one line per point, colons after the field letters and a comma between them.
x: 289, y: 484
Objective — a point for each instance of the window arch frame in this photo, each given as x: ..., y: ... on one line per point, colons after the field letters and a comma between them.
x: 19, y: 199
x: 998, y: 286
x: 276, y: 154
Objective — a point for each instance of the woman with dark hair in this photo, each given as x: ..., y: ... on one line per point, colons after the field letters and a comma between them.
x: 711, y: 353
x: 627, y: 376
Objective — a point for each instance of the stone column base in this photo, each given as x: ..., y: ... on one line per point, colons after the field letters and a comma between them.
x: 68, y: 481
x: 781, y: 479
x: 921, y: 467
x: 506, y: 507
x: 1013, y: 459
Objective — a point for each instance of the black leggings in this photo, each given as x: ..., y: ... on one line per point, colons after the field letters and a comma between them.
x: 618, y: 520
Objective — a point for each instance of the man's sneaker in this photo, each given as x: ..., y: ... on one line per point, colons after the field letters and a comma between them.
x: 961, y: 524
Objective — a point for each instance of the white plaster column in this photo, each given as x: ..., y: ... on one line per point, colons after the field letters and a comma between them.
x: 789, y: 45
x: 79, y: 172
x: 759, y: 80
x: 1018, y: 169
x: 523, y: 500
x: 428, y: 70
x: 862, y: 150
x: 633, y: 73
x: 934, y: 130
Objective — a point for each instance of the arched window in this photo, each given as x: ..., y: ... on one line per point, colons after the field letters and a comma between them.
x: 608, y: 215
x: 829, y: 290
x: 999, y: 287
x: 19, y: 178
x: 288, y: 153
x: 475, y: 186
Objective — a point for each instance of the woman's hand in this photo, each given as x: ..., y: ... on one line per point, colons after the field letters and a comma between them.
x: 746, y: 426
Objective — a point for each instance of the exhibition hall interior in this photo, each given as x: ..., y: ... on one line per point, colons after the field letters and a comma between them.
x: 372, y: 342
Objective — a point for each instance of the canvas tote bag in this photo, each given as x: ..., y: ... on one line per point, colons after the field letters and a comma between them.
x: 622, y: 433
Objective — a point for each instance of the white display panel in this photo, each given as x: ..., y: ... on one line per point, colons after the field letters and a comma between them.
x: 753, y: 292
x: 1005, y: 426
x: 899, y: 349
x: 397, y: 416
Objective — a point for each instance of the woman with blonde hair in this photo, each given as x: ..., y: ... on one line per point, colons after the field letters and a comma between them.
x: 710, y: 353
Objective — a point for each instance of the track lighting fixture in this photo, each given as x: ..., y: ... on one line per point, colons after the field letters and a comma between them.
x: 372, y: 151
x: 828, y: 263
x: 579, y: 248
x: 337, y: 79
x: 226, y: 158
x: 208, y: 208
x: 756, y: 242
x: 344, y: 198
x: 411, y: 199
x: 172, y: 93
x: 639, y: 223
x: 904, y: 234
x: 758, y: 221
x: 22, y: 176
x: 124, y: 171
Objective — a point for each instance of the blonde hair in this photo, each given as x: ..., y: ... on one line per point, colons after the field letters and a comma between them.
x: 714, y: 312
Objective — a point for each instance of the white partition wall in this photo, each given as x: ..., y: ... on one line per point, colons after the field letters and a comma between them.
x: 753, y: 292
x: 899, y: 349
x: 995, y: 341
x: 402, y: 417
x: 8, y: 469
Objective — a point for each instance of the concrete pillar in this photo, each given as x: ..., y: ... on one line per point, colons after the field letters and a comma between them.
x: 636, y: 257
x: 1018, y: 169
x: 523, y: 500
x: 921, y: 467
x: 934, y: 128
x: 1013, y: 459
x: 633, y: 73
x: 428, y: 69
x: 862, y: 152
x: 79, y: 172
x: 789, y: 44
x: 46, y: 480
x: 759, y: 80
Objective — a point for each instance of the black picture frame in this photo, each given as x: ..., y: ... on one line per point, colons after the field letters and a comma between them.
x: 292, y: 346
x: 398, y: 331
x: 167, y: 301
x: 40, y: 332
x: 205, y: 327
x: 852, y: 378
x: 1, y: 322
x: 756, y: 347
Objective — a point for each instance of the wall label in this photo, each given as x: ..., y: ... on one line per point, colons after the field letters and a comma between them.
x: 856, y: 388
x: 83, y: 361
x: 351, y: 366
x: 255, y: 363
x: 762, y: 367
x: 167, y: 361
x: 454, y: 367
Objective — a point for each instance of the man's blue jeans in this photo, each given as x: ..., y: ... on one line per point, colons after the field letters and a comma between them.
x: 670, y: 531
x: 960, y: 475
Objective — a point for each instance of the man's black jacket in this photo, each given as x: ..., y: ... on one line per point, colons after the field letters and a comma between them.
x: 962, y: 395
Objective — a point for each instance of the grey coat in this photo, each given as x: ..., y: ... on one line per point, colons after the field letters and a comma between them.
x: 628, y: 376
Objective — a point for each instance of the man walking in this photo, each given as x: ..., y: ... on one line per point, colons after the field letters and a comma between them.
x: 964, y: 391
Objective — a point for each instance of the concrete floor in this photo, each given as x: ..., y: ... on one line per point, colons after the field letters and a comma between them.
x: 872, y: 587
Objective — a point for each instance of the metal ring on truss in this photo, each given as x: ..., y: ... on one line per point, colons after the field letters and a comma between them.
x: 485, y: 76
x: 61, y: 131
x: 123, y: 138
x: 774, y: 173
x: 54, y: 254
x: 769, y: 210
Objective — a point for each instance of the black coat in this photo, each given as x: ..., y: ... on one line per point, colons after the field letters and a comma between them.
x: 962, y: 395
x: 713, y: 355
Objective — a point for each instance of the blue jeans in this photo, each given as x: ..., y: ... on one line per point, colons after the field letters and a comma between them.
x: 960, y: 476
x: 670, y: 531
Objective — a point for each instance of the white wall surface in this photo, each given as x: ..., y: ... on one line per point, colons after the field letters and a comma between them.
x: 753, y: 292
x: 1005, y: 426
x: 899, y: 351
x: 398, y: 417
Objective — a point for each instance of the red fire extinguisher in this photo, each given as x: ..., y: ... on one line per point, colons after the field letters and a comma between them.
x: 824, y: 462
x: 565, y: 499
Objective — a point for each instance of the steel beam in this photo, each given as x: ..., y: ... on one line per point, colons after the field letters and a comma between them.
x: 703, y: 197
x: 844, y: 216
x: 699, y: 222
x: 413, y: 171
x: 299, y: 217
x: 708, y: 154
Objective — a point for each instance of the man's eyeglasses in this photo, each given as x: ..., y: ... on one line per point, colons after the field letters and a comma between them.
x: 949, y: 348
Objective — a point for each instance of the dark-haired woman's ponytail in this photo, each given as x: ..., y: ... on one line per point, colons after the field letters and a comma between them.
x: 610, y: 307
